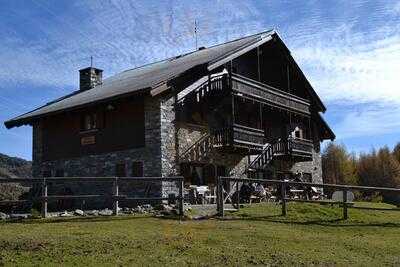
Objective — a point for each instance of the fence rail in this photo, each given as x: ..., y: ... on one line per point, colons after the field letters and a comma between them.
x: 284, y: 199
x: 116, y: 197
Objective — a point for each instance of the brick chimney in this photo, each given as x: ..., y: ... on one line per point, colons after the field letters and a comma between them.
x: 89, y: 78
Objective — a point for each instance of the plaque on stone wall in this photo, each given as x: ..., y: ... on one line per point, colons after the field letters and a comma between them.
x: 88, y: 140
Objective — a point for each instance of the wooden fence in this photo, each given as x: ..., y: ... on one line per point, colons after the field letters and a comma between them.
x: 114, y: 181
x: 283, y: 185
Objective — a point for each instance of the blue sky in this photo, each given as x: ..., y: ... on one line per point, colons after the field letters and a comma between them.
x: 349, y: 51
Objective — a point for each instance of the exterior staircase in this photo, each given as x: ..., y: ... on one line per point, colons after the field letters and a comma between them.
x: 267, y: 155
x: 199, y: 150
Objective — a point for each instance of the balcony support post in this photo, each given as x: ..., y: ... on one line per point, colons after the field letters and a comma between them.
x: 261, y: 116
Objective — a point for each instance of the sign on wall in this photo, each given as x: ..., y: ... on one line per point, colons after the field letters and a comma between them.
x: 88, y: 140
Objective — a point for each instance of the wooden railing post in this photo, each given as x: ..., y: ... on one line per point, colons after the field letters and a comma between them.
x: 345, y: 215
x: 115, y: 197
x: 181, y: 197
x: 44, y: 198
x: 220, y: 196
x: 238, y: 195
x: 283, y: 196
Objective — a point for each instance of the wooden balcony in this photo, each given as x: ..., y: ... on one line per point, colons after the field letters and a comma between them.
x: 301, y: 147
x: 252, y: 89
x: 218, y: 87
x: 238, y: 138
x: 295, y: 148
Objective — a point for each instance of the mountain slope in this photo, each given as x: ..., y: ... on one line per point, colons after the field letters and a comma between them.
x: 13, y: 167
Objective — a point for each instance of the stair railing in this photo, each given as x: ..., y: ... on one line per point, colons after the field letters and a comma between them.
x: 282, y: 147
x: 198, y: 150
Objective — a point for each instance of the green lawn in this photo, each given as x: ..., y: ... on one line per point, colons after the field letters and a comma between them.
x: 309, y: 235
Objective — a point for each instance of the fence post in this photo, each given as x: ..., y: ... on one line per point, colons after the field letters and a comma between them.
x: 345, y: 204
x: 115, y: 197
x: 44, y: 198
x: 283, y: 197
x: 220, y: 196
x: 238, y: 195
x: 181, y: 197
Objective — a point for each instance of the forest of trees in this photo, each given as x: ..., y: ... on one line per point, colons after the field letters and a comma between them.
x: 376, y: 168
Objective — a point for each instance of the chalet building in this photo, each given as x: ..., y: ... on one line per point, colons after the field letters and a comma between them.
x: 242, y: 108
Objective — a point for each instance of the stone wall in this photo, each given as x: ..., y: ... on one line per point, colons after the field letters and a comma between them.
x: 176, y: 138
x: 314, y: 167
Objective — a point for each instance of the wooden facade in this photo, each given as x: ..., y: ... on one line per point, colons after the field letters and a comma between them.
x: 118, y: 126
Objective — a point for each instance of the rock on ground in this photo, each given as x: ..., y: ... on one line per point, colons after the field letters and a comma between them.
x: 106, y: 212
x: 79, y: 213
x: 3, y: 216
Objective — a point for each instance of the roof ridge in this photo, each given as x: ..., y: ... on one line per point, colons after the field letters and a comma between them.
x: 195, y: 51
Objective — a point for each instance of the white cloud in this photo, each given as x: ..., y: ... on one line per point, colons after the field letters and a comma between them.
x: 348, y: 71
x: 119, y: 34
x: 369, y: 120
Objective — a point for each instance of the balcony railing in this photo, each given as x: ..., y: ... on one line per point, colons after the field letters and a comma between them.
x: 270, y: 95
x: 218, y: 86
x: 301, y: 147
x: 239, y: 136
x: 295, y: 147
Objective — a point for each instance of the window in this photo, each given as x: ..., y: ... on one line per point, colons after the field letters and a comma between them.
x: 186, y: 172
x: 221, y: 171
x: 137, y: 169
x: 120, y: 170
x: 60, y: 173
x: 307, y: 177
x: 298, y: 133
x: 89, y: 122
x: 209, y: 174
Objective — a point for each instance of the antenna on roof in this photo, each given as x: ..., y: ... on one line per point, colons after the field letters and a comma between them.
x: 91, y: 61
x: 195, y: 31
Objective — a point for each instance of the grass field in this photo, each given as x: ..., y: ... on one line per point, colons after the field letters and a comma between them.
x: 257, y: 235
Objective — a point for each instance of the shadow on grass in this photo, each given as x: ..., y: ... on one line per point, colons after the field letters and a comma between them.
x: 76, y: 219
x: 338, y: 222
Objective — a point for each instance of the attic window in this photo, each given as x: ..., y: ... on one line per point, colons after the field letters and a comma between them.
x: 89, y: 122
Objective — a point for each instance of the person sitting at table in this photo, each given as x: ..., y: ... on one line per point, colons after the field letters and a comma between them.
x: 259, y: 191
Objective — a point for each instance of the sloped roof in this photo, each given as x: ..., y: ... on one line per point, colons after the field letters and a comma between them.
x: 137, y: 79
x: 325, y: 131
x: 143, y: 78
